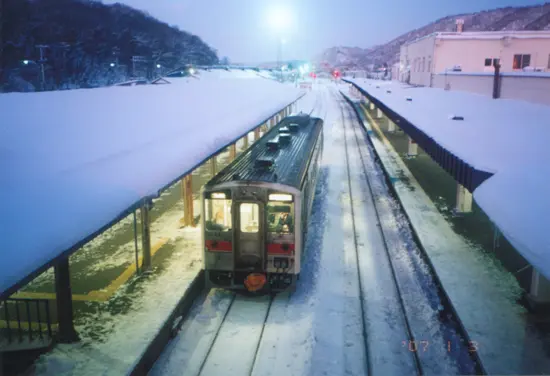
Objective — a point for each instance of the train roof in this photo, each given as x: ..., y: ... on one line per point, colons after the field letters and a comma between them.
x: 286, y: 164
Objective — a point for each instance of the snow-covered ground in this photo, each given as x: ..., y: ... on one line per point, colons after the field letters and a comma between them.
x: 483, y: 294
x: 112, y: 338
x: 115, y: 333
x: 506, y: 137
x: 72, y: 161
x: 346, y: 317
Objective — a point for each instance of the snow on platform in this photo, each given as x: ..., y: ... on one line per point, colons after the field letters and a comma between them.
x: 508, y: 138
x: 119, y: 332
x: 483, y: 294
x: 72, y: 161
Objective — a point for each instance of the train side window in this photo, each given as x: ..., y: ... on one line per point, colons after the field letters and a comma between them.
x: 217, y: 215
x: 280, y: 217
x: 249, y: 215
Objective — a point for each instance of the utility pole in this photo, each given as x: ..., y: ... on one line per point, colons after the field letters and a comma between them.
x: 42, y: 61
x: 279, y: 53
x: 496, y: 81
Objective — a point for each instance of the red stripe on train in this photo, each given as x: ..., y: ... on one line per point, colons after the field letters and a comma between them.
x: 219, y: 246
x: 280, y: 249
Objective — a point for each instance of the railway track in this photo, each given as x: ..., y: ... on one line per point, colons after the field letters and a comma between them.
x: 394, y: 320
x: 222, y: 335
x: 431, y: 342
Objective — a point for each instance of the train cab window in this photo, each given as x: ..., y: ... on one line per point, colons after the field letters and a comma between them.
x: 249, y: 215
x: 217, y: 215
x: 280, y: 217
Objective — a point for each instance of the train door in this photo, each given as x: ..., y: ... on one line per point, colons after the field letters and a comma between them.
x: 249, y: 239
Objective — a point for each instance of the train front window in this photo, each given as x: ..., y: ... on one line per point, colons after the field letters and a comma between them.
x: 280, y: 217
x: 249, y: 214
x: 217, y: 214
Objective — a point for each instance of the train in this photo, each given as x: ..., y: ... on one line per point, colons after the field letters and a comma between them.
x: 255, y: 211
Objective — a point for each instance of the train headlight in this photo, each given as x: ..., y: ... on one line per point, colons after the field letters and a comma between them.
x: 280, y: 197
x: 218, y: 195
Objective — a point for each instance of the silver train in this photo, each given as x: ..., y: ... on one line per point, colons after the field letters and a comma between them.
x: 255, y: 211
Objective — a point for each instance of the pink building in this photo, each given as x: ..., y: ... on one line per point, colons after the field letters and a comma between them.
x: 473, y: 52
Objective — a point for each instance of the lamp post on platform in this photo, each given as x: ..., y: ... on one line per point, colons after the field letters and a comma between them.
x: 280, y: 22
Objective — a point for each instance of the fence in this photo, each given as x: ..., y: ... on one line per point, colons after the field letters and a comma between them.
x: 532, y: 87
x: 25, y: 322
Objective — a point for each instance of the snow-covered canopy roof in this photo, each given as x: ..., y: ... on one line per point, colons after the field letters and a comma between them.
x: 72, y: 161
x: 509, y: 138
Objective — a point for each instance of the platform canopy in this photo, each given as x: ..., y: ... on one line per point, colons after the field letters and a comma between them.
x: 73, y: 161
x: 507, y: 139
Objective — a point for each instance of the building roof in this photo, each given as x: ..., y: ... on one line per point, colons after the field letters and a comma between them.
x: 484, y: 35
x: 290, y: 161
x: 542, y: 34
x: 499, y: 151
x: 74, y: 161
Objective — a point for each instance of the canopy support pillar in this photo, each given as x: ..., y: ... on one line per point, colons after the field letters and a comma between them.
x: 539, y: 294
x: 145, y: 234
x: 232, y: 152
x: 463, y: 199
x: 64, y: 300
x: 187, y: 193
x: 413, y: 148
x: 213, y: 166
x: 391, y: 126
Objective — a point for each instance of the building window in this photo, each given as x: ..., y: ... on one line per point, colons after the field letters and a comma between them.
x: 548, y: 61
x: 423, y: 64
x: 491, y: 62
x: 521, y: 61
x: 429, y: 64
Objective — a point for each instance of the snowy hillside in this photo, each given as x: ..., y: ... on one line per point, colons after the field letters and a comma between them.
x: 510, y: 18
x: 90, y: 44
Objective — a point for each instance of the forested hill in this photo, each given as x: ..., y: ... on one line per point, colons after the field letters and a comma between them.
x: 89, y: 44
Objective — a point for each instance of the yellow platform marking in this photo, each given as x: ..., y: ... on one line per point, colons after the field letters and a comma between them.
x: 49, y: 296
x: 97, y: 295
x: 106, y: 293
x: 25, y: 326
x: 376, y: 127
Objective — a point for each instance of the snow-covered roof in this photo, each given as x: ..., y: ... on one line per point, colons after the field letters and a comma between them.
x: 544, y: 34
x: 72, y: 161
x: 506, y: 137
x: 484, y: 35
x: 492, y: 73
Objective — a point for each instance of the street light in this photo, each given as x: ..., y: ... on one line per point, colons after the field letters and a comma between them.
x: 112, y: 65
x: 280, y: 20
x: 158, y: 66
x: 26, y: 62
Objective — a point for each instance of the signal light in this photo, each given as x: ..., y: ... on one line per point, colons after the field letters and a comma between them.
x: 255, y: 281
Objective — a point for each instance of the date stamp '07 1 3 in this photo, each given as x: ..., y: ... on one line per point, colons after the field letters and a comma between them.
x: 422, y: 346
